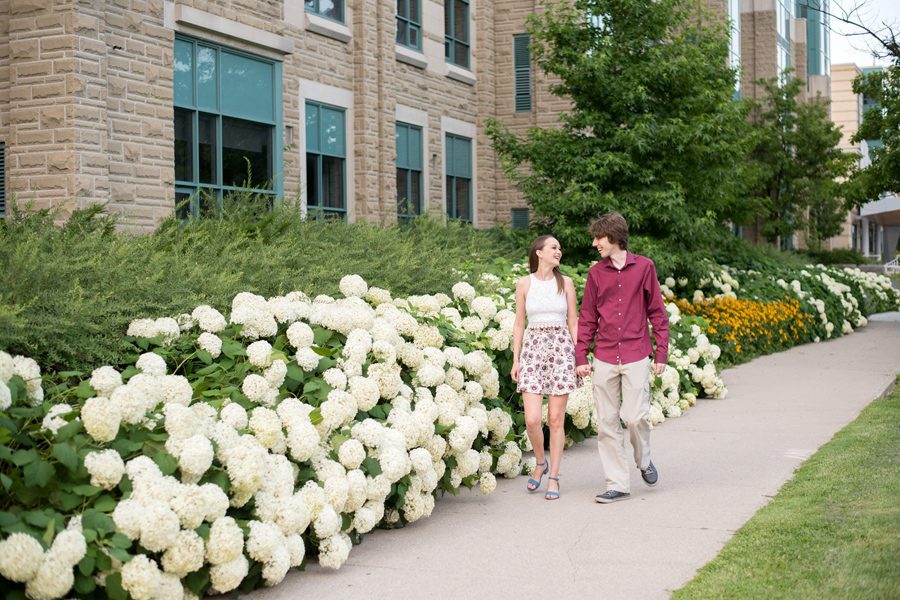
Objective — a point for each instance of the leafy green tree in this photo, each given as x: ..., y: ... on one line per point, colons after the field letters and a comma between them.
x: 881, y: 122
x: 653, y: 130
x: 797, y: 164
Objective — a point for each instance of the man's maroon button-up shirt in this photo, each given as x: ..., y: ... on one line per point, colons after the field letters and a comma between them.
x: 614, y: 311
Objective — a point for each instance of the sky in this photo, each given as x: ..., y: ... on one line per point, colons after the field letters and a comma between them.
x: 856, y: 49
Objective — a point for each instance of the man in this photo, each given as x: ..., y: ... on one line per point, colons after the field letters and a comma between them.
x: 621, y: 294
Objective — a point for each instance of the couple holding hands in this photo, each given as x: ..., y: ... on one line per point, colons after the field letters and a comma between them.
x: 551, y: 341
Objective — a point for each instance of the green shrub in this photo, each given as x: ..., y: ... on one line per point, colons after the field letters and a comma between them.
x: 68, y: 293
x: 838, y: 256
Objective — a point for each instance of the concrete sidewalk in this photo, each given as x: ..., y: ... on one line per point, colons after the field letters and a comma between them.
x: 718, y: 465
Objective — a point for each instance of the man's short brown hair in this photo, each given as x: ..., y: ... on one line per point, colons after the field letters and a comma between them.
x: 613, y: 227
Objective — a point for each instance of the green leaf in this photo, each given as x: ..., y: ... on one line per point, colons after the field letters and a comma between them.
x: 86, y: 566
x: 48, y: 532
x: 321, y: 336
x: 86, y: 490
x: 66, y: 432
x: 84, y: 390
x: 105, y: 503
x: 38, y: 518
x: 371, y: 466
x: 126, y: 447
x: 5, y: 481
x: 198, y: 581
x: 66, y: 501
x: 7, y: 424
x: 205, y: 357
x: 101, y: 522
x: 23, y: 457
x: 65, y: 454
x: 89, y: 535
x: 119, y: 540
x: 84, y: 584
x: 315, y: 416
x: 166, y: 462
x: 38, y: 473
x: 119, y: 554
x: 114, y: 589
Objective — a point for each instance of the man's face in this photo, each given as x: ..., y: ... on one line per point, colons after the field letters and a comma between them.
x: 603, y: 246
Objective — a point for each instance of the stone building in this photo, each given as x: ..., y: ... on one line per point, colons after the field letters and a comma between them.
x: 361, y: 109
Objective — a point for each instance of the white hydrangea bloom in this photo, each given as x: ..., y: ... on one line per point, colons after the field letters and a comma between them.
x: 175, y: 389
x: 7, y: 367
x: 20, y: 557
x: 209, y: 319
x: 226, y: 541
x: 307, y: 359
x: 487, y: 483
x: 159, y: 527
x: 151, y: 364
x: 255, y: 387
x: 353, y: 286
x: 53, y: 420
x: 101, y: 417
x: 351, y: 453
x: 5, y: 396
x: 106, y: 468
x: 234, y: 415
x: 253, y: 313
x: 227, y: 576
x: 300, y: 335
x: 53, y: 579
x: 484, y: 307
x: 185, y: 555
x: 141, y: 578
x: 105, y: 380
x: 266, y: 426
x: 196, y: 458
x: 259, y: 354
x: 463, y: 291
x: 334, y: 550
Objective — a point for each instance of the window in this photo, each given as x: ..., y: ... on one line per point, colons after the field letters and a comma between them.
x: 734, y: 41
x: 409, y: 23
x: 332, y: 9
x: 409, y: 171
x: 520, y: 218
x: 522, y: 71
x: 783, y: 16
x: 326, y: 155
x: 459, y: 178
x: 227, y: 119
x: 456, y: 26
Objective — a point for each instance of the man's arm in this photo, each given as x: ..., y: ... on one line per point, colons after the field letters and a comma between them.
x: 587, y: 320
x: 658, y: 317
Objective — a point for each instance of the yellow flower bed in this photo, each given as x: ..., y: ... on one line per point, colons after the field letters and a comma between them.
x: 751, y: 327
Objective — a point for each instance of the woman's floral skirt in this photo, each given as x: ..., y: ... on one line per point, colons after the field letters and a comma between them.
x: 547, y: 362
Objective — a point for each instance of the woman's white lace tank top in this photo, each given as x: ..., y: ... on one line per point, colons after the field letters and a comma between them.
x: 544, y: 305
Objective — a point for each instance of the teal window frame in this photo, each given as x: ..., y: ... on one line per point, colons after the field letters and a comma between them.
x: 522, y: 72
x: 199, y: 99
x: 519, y: 218
x: 317, y: 148
x: 458, y: 169
x: 409, y: 142
x: 454, y: 40
x: 316, y: 7
x: 409, y: 29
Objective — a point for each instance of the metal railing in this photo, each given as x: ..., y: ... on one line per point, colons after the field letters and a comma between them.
x: 892, y: 267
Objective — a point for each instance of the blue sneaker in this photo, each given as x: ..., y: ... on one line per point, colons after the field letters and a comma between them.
x: 650, y: 475
x: 610, y: 496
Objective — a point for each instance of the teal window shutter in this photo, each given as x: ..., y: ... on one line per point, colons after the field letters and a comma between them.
x: 458, y: 160
x: 522, y: 71
x: 520, y: 218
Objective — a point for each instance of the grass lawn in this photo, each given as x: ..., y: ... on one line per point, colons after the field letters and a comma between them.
x: 833, y: 531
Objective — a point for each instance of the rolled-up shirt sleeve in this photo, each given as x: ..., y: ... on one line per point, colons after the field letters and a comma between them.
x: 587, y: 320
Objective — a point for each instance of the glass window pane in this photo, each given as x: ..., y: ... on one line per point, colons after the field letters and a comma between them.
x: 333, y: 9
x: 403, y: 200
x: 448, y: 17
x: 206, y: 78
x: 413, y: 35
x: 312, y: 179
x: 332, y: 131
x: 414, y: 11
x: 184, y: 145
x: 184, y: 76
x: 247, y: 87
x: 401, y: 8
x: 208, y: 202
x: 451, y: 189
x: 462, y: 199
x: 414, y: 148
x: 415, y: 191
x: 461, y: 55
x: 207, y: 148
x: 311, y: 5
x: 182, y: 204
x: 401, y: 32
x: 332, y: 182
x: 402, y: 144
x: 246, y: 146
x: 460, y: 20
x: 312, y: 128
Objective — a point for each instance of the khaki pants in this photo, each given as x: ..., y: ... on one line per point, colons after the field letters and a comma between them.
x: 622, y: 390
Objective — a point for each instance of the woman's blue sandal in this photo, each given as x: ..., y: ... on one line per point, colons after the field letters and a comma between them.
x: 550, y: 494
x: 534, y: 485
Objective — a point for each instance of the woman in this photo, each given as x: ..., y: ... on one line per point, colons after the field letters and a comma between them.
x: 544, y: 354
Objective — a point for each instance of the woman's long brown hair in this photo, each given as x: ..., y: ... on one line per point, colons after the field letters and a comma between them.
x: 533, y: 261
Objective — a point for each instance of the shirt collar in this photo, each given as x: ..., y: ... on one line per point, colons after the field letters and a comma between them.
x: 629, y: 260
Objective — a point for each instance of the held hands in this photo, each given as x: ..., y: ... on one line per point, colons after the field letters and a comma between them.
x: 583, y: 370
x: 659, y: 368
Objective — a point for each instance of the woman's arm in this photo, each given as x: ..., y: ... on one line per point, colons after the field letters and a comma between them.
x: 571, y: 309
x: 519, y: 324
